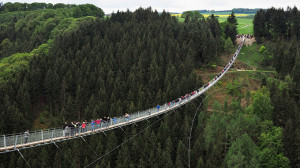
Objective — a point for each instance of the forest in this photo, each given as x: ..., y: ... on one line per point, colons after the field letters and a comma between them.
x: 235, y: 10
x: 278, y: 30
x: 70, y: 63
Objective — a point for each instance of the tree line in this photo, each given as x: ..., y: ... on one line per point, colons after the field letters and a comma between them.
x: 278, y: 30
x: 96, y: 66
x: 132, y: 61
x: 235, y: 10
x: 277, y: 24
x: 17, y: 6
x: 24, y: 31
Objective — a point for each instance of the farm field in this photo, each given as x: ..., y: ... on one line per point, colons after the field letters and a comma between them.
x: 244, y: 20
x: 66, y: 66
x: 226, y: 15
x: 244, y: 24
x: 250, y: 55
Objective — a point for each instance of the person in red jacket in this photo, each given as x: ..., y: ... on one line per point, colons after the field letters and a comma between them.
x: 98, y: 123
x: 83, y: 126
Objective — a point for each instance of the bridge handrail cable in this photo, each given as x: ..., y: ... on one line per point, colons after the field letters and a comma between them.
x: 12, y: 142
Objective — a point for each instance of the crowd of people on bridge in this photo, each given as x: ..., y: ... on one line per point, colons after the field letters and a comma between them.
x: 74, y: 128
x: 249, y: 36
x: 187, y: 96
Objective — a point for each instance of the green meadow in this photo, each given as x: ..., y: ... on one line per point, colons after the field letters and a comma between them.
x: 245, y: 23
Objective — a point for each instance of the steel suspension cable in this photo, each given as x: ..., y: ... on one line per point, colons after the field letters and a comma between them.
x: 24, y: 158
x: 172, y: 110
x: 147, y: 155
x: 89, y: 146
x: 191, y: 129
x: 96, y: 152
x: 63, y: 154
x: 129, y: 139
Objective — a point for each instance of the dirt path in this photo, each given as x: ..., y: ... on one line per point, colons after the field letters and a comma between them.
x: 245, y: 26
x: 240, y: 70
x: 249, y: 70
x: 248, y: 42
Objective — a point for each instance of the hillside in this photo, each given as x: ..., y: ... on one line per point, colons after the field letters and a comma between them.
x: 244, y: 20
x: 62, y: 64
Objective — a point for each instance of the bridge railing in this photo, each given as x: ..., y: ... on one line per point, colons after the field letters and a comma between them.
x: 17, y: 139
x: 50, y: 134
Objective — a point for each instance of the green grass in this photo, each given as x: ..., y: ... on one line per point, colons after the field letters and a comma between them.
x: 180, y: 19
x: 217, y: 13
x: 241, y: 27
x: 250, y: 55
x: 242, y: 22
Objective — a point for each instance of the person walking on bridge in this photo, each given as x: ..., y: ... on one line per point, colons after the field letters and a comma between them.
x: 26, y: 136
x: 83, y: 126
x: 115, y: 120
x: 93, y: 125
x: 98, y: 123
x: 78, y: 127
x: 104, y: 121
x: 108, y: 121
x: 65, y: 127
x: 126, y: 117
x: 72, y: 128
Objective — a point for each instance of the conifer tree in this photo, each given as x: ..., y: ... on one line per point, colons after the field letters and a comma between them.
x: 181, y: 156
x: 259, y: 25
x: 228, y: 46
x: 57, y: 160
x: 231, y: 19
x: 231, y: 31
x: 289, y: 142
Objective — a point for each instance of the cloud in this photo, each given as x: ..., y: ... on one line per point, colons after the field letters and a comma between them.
x: 174, y: 5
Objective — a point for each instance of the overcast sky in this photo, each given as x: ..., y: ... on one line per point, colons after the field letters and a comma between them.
x: 110, y: 6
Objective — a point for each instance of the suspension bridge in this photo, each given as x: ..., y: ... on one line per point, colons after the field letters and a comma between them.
x: 16, y: 142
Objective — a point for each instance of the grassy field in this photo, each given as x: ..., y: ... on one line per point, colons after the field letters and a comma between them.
x: 225, y: 15
x: 180, y: 19
x: 249, y: 59
x: 249, y: 81
x: 245, y: 25
x: 250, y: 55
x: 217, y: 13
x: 244, y: 22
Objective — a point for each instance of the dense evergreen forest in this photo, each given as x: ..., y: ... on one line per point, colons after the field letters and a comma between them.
x: 84, y: 66
x: 134, y: 60
x: 279, y: 31
x: 24, y: 29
